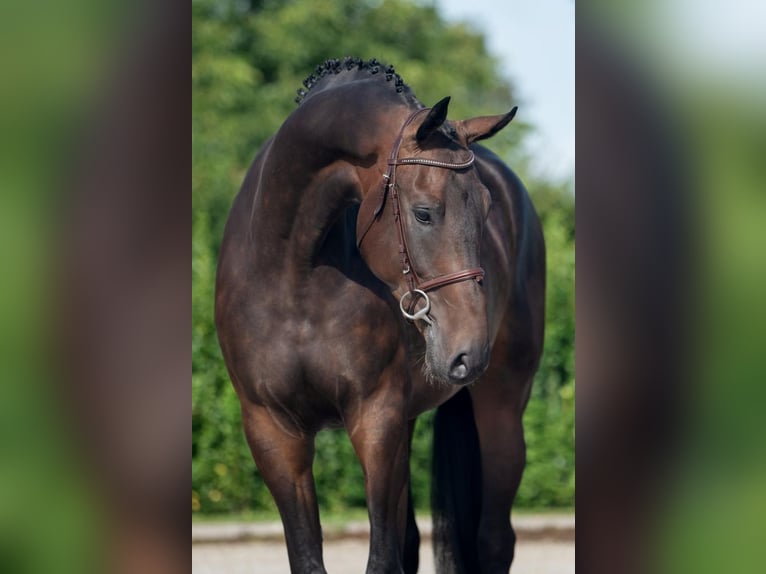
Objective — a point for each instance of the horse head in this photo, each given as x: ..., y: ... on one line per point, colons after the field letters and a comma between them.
x: 420, y: 232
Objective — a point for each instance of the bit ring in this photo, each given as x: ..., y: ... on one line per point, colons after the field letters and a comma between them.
x: 422, y: 313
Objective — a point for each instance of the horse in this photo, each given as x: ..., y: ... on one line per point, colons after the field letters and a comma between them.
x: 376, y: 264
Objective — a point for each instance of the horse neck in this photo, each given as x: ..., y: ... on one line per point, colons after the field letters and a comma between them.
x: 321, y: 161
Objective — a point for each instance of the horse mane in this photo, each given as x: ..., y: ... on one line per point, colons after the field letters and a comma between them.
x: 335, y: 66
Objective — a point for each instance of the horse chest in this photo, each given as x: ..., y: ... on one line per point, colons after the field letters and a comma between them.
x: 328, y: 342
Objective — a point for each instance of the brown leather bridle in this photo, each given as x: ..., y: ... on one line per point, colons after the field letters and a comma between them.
x: 417, y: 287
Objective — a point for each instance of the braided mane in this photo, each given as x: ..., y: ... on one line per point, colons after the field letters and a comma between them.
x: 335, y: 66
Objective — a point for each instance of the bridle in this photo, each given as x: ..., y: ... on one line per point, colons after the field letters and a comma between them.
x: 418, y: 288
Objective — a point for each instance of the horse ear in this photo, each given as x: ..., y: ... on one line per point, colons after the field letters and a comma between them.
x: 433, y: 120
x: 484, y: 127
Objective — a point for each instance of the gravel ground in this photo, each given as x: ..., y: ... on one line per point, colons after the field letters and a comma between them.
x: 350, y: 556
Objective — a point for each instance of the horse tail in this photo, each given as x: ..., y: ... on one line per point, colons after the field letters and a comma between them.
x: 456, y: 487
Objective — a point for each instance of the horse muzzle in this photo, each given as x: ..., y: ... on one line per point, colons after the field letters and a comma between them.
x: 468, y: 364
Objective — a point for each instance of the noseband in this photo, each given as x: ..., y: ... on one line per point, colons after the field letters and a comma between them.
x: 418, y: 288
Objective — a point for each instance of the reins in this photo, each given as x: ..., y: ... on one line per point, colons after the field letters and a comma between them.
x: 417, y: 287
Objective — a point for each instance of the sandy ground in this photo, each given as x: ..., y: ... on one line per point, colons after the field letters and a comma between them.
x: 350, y: 556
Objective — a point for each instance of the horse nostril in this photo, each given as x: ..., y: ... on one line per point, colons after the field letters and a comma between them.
x: 466, y: 366
x: 459, y: 369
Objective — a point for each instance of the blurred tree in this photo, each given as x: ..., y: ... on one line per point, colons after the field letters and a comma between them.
x: 248, y: 60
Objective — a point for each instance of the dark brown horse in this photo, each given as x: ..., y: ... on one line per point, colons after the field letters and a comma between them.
x: 377, y: 264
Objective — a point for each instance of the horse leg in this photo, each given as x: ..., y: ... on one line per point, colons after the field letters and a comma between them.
x: 411, y: 557
x: 498, y: 407
x: 380, y: 439
x: 284, y: 460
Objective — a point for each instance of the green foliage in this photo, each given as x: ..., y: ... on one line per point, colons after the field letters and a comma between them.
x: 248, y: 60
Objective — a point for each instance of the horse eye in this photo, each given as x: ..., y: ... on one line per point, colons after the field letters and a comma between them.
x: 422, y: 215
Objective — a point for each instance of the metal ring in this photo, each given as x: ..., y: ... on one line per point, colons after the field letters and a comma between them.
x: 423, y: 313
